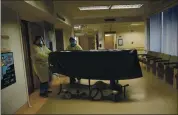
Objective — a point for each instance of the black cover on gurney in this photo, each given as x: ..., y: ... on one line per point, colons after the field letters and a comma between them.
x: 101, y: 65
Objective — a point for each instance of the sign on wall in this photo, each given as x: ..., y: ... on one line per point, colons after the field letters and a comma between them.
x: 7, y: 70
x: 120, y: 42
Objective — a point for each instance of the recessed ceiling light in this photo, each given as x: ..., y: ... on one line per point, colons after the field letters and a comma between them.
x: 94, y: 8
x: 126, y: 6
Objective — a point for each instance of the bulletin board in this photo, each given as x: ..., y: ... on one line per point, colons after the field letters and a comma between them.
x: 7, y: 70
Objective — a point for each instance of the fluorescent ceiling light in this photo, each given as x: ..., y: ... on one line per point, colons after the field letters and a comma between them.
x: 94, y: 8
x: 79, y: 34
x: 126, y: 6
x: 108, y: 34
x: 135, y: 24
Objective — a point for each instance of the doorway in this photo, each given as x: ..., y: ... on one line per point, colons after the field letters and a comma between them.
x: 109, y: 41
x: 35, y: 29
x: 59, y: 40
x: 27, y: 55
x: 87, y: 42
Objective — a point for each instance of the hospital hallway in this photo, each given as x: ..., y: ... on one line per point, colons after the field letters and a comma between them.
x: 147, y: 95
x: 122, y: 46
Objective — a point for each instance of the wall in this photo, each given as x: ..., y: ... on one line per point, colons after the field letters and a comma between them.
x: 137, y: 36
x: 67, y: 33
x: 14, y: 96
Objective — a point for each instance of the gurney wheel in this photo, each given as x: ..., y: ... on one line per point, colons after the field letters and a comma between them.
x: 68, y: 95
x: 96, y: 94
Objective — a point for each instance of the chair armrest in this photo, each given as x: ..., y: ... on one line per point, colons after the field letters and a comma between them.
x: 142, y: 54
x: 169, y: 63
x: 162, y: 60
x: 155, y: 58
x: 149, y: 56
x: 173, y: 62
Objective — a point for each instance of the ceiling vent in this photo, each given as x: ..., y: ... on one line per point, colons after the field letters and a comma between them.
x: 110, y: 20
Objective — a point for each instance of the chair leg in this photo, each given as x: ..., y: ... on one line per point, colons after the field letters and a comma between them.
x: 176, y: 77
x: 169, y: 76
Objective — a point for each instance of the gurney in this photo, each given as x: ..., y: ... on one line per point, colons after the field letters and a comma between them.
x: 95, y: 65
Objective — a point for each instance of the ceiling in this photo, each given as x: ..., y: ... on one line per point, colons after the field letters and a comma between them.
x: 70, y: 10
x: 94, y: 20
x: 91, y: 29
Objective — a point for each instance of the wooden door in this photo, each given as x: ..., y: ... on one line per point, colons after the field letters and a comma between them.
x: 109, y: 42
x: 27, y: 55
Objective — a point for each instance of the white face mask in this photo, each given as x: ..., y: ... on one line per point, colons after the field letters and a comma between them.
x: 41, y: 43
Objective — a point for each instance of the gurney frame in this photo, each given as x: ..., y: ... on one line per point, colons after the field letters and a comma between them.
x: 79, y: 94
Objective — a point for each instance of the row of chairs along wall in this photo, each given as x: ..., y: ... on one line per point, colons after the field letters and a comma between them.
x: 162, y: 65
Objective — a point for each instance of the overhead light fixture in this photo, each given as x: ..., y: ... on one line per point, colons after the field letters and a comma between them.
x: 126, y: 6
x: 77, y: 27
x: 79, y: 34
x: 135, y: 24
x: 94, y: 8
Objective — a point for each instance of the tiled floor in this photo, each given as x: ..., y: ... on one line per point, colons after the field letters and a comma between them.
x: 148, y: 95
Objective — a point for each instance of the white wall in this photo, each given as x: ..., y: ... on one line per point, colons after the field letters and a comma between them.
x: 66, y: 35
x: 14, y: 96
x: 137, y: 36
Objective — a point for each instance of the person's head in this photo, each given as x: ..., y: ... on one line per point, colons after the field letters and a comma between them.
x: 38, y: 41
x: 72, y: 41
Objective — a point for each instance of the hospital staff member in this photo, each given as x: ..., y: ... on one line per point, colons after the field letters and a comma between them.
x: 40, y: 64
x: 73, y: 46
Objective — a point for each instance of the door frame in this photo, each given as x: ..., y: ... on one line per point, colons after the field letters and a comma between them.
x: 27, y: 52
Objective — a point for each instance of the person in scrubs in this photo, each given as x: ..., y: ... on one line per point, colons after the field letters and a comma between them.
x: 40, y: 65
x: 73, y: 46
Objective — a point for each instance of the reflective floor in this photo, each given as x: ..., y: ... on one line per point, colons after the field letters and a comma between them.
x: 146, y: 95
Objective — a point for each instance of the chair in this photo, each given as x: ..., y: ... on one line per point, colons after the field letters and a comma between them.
x: 156, y: 56
x: 153, y: 62
x: 169, y: 69
x: 142, y: 57
x: 176, y: 76
x: 160, y: 65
